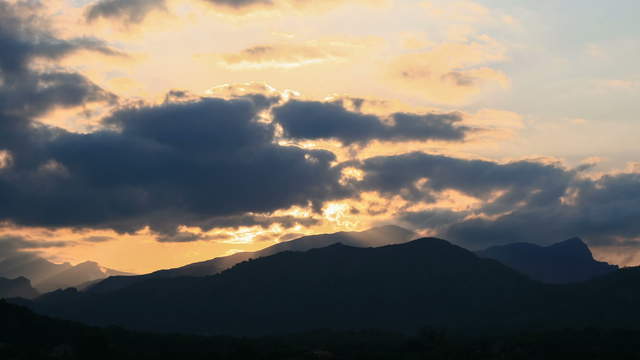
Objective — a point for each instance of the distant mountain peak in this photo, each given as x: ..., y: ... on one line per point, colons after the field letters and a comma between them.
x: 574, y: 241
x: 564, y: 262
x: 574, y: 247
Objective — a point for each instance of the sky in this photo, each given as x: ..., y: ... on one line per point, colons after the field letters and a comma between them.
x: 149, y: 134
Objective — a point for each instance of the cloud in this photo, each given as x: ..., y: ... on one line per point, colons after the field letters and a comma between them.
x: 180, y: 237
x: 97, y: 239
x: 24, y: 37
x: 311, y: 120
x: 129, y: 11
x: 167, y: 165
x: 189, y: 160
x: 451, y: 72
x: 27, y: 92
x: 292, y: 55
x: 603, y: 211
x: 518, y: 181
x: 135, y: 11
x: 11, y: 245
x: 521, y: 201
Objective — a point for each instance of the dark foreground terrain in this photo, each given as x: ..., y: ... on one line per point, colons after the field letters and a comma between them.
x: 25, y: 335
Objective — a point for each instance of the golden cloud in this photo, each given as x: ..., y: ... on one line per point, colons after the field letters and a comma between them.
x: 292, y: 55
x: 451, y: 73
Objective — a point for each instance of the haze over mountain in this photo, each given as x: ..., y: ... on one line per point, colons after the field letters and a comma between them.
x: 18, y: 287
x: 378, y: 236
x: 88, y: 271
x: 30, y: 266
x: 48, y: 276
x: 564, y: 262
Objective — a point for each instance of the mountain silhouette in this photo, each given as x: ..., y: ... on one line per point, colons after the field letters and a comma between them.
x: 19, y: 287
x: 375, y: 237
x: 565, y: 262
x: 47, y: 276
x: 426, y: 282
x: 423, y: 283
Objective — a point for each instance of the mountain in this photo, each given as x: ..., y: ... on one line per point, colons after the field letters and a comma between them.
x: 78, y: 275
x: 47, y: 276
x: 30, y: 266
x: 19, y: 287
x: 426, y: 282
x: 565, y: 262
x: 375, y: 237
x: 423, y: 283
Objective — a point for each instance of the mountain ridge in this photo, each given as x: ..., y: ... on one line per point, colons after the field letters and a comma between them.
x: 399, y: 287
x: 376, y: 236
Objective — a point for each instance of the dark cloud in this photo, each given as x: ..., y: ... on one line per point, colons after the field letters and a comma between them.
x: 200, y: 162
x: 521, y: 201
x: 26, y: 93
x: 11, y: 245
x: 509, y: 183
x: 24, y: 36
x: 604, y: 212
x: 135, y: 11
x: 129, y: 11
x: 98, y: 239
x: 180, y: 237
x: 330, y: 120
x: 184, y: 237
x: 239, y: 4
